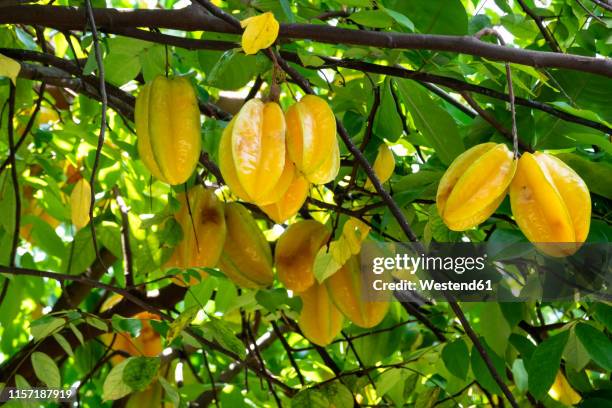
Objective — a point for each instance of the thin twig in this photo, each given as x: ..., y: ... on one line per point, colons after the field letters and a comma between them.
x: 288, y: 351
x: 212, y: 379
x: 13, y: 161
x: 589, y: 12
x: 490, y: 31
x: 491, y: 119
x: 550, y: 39
x: 483, y: 353
x: 358, y: 358
x: 219, y: 13
x: 125, y: 238
x: 603, y: 4
x: 367, y: 135
x: 104, y: 98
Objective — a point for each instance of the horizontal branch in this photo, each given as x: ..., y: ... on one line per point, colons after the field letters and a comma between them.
x: 363, y: 66
x: 196, y: 19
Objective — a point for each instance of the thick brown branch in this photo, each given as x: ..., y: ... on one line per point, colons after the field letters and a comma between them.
x: 196, y: 19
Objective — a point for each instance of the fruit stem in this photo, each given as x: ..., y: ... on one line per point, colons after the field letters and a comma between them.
x: 277, y: 77
x: 500, y: 39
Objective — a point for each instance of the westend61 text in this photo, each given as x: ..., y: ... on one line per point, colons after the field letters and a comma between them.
x: 430, y: 284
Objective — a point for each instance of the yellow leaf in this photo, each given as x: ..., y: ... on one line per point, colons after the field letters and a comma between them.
x: 9, y: 68
x: 355, y: 232
x: 80, y: 200
x: 340, y: 251
x: 260, y: 32
x: 384, y: 165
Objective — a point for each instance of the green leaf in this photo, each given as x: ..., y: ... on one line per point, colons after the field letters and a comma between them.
x: 120, y: 68
x: 434, y: 16
x: 222, y: 333
x: 337, y: 394
x: 184, y: 320
x: 61, y: 340
x: 153, y: 61
x: 432, y: 121
x: 83, y: 253
x: 310, y: 398
x: 324, y: 265
x: 456, y: 358
x: 603, y: 312
x: 139, y: 372
x: 372, y: 18
x: 44, y: 326
x: 114, y: 387
x: 273, y: 299
x: 428, y: 398
x: 575, y: 355
x: 544, y: 364
x: 494, y: 328
x: 172, y: 393
x: 310, y: 60
x: 387, y: 123
x: 519, y: 373
x: 591, y: 172
x: 234, y: 70
x: 596, y: 344
x: 481, y: 370
x: 122, y: 324
x: 400, y: 19
x: 46, y: 370
x: 388, y: 379
x: 96, y: 322
x: 523, y: 345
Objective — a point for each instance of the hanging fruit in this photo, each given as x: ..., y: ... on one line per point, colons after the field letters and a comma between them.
x: 204, y: 231
x: 167, y: 120
x: 147, y: 343
x: 347, y: 290
x: 320, y: 320
x: 383, y: 166
x: 295, y: 253
x: 252, y: 152
x: 551, y: 204
x: 311, y: 139
x: 474, y: 185
x: 290, y: 202
x: 246, y: 258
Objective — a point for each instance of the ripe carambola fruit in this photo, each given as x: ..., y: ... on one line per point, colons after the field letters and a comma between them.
x: 147, y: 343
x: 320, y: 320
x: 383, y: 166
x: 295, y: 253
x: 551, y: 204
x: 311, y: 139
x: 204, y: 230
x: 252, y: 152
x: 289, y: 203
x: 167, y: 121
x: 246, y: 258
x: 347, y: 290
x: 474, y: 185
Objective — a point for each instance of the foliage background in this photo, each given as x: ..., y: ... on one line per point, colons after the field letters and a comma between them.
x: 428, y: 105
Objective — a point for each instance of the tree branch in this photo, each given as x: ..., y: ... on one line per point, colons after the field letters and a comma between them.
x: 550, y: 39
x: 195, y: 19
